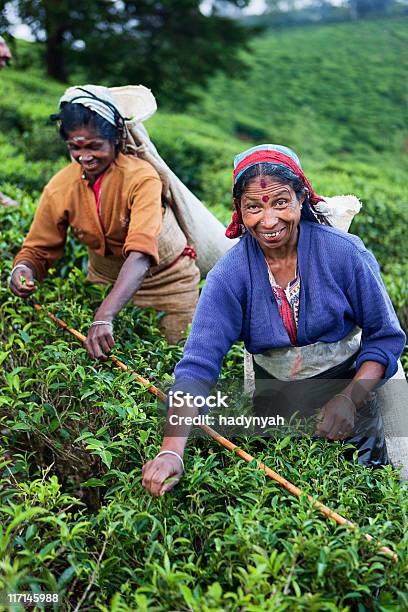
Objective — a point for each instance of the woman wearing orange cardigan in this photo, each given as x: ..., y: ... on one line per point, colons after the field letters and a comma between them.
x: 113, y: 204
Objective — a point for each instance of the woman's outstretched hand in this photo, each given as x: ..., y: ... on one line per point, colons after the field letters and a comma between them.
x: 99, y: 341
x: 161, y: 474
x: 335, y: 420
x: 22, y: 281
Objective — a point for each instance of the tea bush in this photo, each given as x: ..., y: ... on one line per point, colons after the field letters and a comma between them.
x: 77, y: 521
x: 74, y: 434
x: 77, y: 433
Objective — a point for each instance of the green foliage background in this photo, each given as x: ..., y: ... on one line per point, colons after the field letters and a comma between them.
x: 74, y: 517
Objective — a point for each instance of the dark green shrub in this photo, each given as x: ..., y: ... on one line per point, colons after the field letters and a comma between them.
x: 42, y: 142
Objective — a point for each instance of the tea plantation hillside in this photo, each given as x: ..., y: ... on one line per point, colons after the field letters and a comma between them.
x: 333, y: 89
x: 74, y: 518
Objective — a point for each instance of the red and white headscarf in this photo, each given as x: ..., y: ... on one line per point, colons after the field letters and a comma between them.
x: 267, y: 153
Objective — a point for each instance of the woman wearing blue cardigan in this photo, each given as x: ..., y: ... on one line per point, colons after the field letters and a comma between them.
x: 309, y: 304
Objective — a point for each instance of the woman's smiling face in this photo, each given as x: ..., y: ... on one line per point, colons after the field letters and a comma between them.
x: 271, y: 212
x: 88, y: 148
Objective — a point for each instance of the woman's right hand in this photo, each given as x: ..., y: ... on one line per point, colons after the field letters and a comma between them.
x: 22, y: 282
x: 161, y: 474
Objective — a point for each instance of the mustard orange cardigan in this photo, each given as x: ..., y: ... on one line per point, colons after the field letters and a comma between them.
x: 131, y: 214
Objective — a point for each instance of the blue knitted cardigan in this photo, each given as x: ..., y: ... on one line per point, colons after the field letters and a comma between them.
x: 341, y: 287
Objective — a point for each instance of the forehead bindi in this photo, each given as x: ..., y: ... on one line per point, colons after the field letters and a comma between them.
x: 270, y: 191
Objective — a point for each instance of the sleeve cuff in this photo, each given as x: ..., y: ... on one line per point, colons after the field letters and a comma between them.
x: 40, y: 269
x: 387, y: 360
x: 144, y: 243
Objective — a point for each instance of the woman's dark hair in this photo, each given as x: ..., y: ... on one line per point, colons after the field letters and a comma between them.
x: 284, y: 175
x: 74, y: 116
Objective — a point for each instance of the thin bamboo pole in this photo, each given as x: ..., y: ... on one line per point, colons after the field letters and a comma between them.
x: 116, y: 361
x: 338, y: 518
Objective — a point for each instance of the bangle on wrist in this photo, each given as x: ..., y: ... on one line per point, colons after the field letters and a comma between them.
x: 346, y: 397
x: 17, y: 266
x: 95, y: 323
x: 169, y: 452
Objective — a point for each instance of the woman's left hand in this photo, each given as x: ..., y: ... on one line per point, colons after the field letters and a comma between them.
x: 99, y: 342
x: 335, y: 420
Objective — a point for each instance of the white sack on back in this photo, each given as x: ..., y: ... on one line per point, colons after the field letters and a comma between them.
x: 201, y: 227
x: 339, y: 210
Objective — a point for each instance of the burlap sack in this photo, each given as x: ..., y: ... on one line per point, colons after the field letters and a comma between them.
x: 200, y: 227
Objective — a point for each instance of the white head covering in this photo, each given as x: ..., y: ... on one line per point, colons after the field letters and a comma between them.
x: 95, y: 97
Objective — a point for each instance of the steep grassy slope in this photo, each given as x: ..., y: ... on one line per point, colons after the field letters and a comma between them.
x: 334, y: 89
